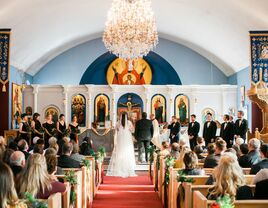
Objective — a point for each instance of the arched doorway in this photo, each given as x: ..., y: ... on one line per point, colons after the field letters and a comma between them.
x: 132, y: 104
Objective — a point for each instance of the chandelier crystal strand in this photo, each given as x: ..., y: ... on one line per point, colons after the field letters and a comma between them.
x: 130, y: 31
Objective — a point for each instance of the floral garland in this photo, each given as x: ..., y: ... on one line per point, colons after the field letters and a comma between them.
x: 105, y: 132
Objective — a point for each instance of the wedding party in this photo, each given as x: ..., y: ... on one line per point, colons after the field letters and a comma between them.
x: 133, y: 104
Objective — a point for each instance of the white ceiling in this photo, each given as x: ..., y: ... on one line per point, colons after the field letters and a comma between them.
x: 217, y: 29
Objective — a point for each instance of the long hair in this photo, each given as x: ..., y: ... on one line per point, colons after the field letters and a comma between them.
x: 34, y: 177
x: 228, y: 175
x: 8, y: 194
x: 124, y: 119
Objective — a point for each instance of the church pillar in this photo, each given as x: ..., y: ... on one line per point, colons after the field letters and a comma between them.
x: 90, y: 107
x: 170, y: 105
x: 66, y: 103
x: 35, y: 92
x: 113, y: 108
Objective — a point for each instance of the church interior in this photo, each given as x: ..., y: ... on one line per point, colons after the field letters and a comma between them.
x: 133, y: 103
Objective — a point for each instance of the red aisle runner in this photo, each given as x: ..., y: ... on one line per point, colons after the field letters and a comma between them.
x: 127, y: 192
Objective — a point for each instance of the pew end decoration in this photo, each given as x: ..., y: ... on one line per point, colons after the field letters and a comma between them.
x: 72, y: 179
x: 34, y: 203
x: 222, y: 202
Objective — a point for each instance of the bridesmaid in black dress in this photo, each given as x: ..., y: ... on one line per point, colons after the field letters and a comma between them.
x: 73, y: 127
x: 24, y: 128
x: 50, y: 128
x: 37, y: 126
x: 61, y: 128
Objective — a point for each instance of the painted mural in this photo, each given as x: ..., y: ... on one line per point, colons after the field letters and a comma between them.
x: 79, y: 109
x: 16, y: 105
x: 158, y: 108
x: 182, y: 109
x: 54, y: 111
x: 123, y: 72
x: 102, y: 109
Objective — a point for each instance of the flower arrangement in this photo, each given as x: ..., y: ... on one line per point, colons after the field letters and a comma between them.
x: 223, y: 202
x: 182, y: 177
x: 72, y: 179
x: 86, y: 163
x: 100, y: 155
x: 169, y: 161
x: 33, y: 203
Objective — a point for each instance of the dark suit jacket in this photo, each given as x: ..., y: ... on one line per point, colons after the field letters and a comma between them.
x: 261, y: 191
x: 174, y: 129
x: 65, y: 161
x: 211, y: 161
x: 252, y: 158
x: 209, y: 133
x: 242, y: 129
x: 144, y: 130
x: 260, y: 165
x: 228, y: 133
x: 193, y: 130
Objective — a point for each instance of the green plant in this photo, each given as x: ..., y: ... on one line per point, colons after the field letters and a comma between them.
x: 100, y: 155
x: 182, y: 177
x: 223, y: 202
x: 169, y: 161
x: 86, y: 163
x: 72, y: 179
x: 33, y: 203
x: 151, y: 151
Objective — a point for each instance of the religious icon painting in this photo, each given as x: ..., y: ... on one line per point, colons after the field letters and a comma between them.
x: 205, y: 112
x: 158, y: 108
x: 182, y: 110
x: 79, y: 109
x: 102, y: 109
x: 121, y: 72
x: 29, y: 110
x: 54, y: 111
x: 16, y: 105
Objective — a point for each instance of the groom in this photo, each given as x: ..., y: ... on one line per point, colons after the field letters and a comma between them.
x: 143, y: 133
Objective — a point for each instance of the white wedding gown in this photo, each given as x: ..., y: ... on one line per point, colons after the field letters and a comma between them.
x: 122, y: 163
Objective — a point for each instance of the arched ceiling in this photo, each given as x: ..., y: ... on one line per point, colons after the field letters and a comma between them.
x: 218, y: 30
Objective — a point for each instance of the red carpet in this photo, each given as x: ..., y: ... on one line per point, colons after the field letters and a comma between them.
x: 127, y: 192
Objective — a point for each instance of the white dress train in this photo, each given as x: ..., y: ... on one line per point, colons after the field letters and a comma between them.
x: 122, y: 163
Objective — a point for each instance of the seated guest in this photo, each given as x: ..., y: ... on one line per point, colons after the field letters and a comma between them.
x: 23, y: 147
x: 212, y: 160
x: 243, y: 155
x: 190, y: 161
x: 39, y: 147
x: 65, y: 161
x: 6, y: 156
x: 261, y: 175
x: 179, y: 162
x: 229, y: 180
x: 52, y: 142
x: 164, y: 150
x: 261, y: 191
x: 17, y: 162
x: 199, y: 150
x: 239, y: 141
x: 35, y: 179
x: 75, y: 153
x: 231, y: 150
x: 201, y: 142
x: 13, y: 145
x: 86, y: 147
x: 50, y: 151
x: 175, y: 150
x: 253, y: 156
x: 262, y: 164
x: 2, y: 148
x: 8, y: 195
x: 52, y: 166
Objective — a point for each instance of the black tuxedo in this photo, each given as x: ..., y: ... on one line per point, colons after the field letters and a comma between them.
x: 227, y: 133
x: 242, y: 129
x: 175, y: 128
x: 65, y: 161
x: 144, y: 131
x: 209, y: 132
x: 193, y: 130
x: 260, y: 165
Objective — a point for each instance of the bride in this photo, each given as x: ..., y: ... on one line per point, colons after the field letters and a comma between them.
x: 122, y: 162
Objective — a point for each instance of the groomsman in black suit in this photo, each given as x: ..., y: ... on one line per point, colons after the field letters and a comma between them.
x: 209, y: 130
x: 227, y: 131
x: 241, y: 126
x: 193, y: 130
x: 175, y: 128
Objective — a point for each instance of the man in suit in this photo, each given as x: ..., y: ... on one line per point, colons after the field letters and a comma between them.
x: 227, y: 131
x: 175, y: 128
x: 193, y: 130
x: 263, y: 163
x: 65, y: 161
x: 253, y: 157
x: 209, y: 130
x: 17, y: 162
x: 143, y: 133
x: 212, y: 160
x: 241, y: 126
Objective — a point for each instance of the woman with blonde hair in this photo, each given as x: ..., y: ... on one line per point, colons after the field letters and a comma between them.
x: 179, y: 162
x: 36, y: 180
x: 8, y: 194
x: 229, y: 180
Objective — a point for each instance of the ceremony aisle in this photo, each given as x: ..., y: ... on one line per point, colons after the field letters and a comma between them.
x: 127, y: 192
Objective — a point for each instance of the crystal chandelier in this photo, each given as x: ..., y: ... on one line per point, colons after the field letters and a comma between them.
x: 130, y: 31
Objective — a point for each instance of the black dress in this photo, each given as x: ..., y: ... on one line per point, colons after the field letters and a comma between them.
x: 62, y: 129
x: 50, y: 128
x: 74, y: 131
x: 25, y: 128
x: 37, y: 127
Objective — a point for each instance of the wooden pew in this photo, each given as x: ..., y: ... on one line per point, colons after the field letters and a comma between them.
x: 65, y: 197
x: 88, y: 175
x: 200, y: 201
x: 54, y: 201
x: 161, y: 177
